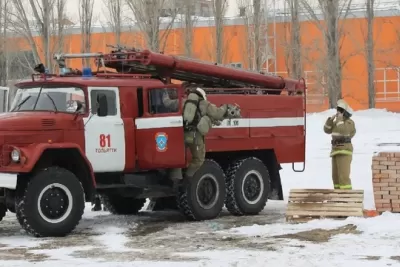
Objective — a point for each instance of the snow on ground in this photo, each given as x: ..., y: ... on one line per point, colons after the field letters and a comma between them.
x: 165, y: 239
x: 373, y: 127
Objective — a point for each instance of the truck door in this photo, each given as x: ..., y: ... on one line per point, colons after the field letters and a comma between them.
x: 104, y: 133
x: 159, y: 132
x: 4, y: 95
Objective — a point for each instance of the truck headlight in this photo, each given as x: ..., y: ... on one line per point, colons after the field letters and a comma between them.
x: 15, y: 155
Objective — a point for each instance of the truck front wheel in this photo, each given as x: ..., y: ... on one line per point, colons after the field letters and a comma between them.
x: 51, y: 204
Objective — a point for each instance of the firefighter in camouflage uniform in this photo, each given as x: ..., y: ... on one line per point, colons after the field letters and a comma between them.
x: 342, y: 129
x: 199, y: 116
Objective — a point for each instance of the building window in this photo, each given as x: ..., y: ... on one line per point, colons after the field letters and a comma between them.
x: 236, y: 65
x: 242, y: 11
x: 205, y: 10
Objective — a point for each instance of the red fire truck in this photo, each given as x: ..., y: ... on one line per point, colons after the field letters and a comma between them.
x: 70, y: 136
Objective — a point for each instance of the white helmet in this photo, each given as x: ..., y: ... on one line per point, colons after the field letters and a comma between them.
x: 342, y: 104
x: 201, y: 92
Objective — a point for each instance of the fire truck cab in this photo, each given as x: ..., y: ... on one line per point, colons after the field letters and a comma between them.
x: 68, y: 137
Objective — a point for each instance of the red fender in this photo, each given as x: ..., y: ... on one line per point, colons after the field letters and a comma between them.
x: 32, y: 153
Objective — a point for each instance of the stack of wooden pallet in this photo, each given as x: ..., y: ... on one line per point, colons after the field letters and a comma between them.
x: 308, y: 204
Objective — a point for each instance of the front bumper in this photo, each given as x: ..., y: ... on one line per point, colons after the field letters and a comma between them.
x: 8, y: 180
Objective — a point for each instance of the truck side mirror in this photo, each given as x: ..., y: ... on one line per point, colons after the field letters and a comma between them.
x: 102, y: 105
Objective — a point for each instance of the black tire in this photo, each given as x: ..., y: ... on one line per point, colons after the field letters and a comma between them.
x: 240, y: 201
x: 3, y: 211
x: 67, y: 196
x: 119, y: 205
x: 188, y: 198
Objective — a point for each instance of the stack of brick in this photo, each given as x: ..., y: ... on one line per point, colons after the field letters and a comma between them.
x: 386, y: 181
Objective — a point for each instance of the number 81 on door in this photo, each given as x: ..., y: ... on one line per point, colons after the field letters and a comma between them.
x: 105, y: 144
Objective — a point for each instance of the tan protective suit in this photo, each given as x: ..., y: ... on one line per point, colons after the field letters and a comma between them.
x: 342, y: 131
x: 194, y: 139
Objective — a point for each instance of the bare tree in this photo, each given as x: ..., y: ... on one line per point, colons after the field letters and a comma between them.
x: 86, y: 18
x: 60, y: 24
x: 22, y: 26
x: 257, y: 34
x: 150, y: 15
x: 48, y: 21
x: 369, y: 52
x: 332, y: 11
x: 188, y: 20
x: 255, y: 20
x: 3, y: 42
x: 114, y: 14
x: 294, y: 48
x: 219, y: 10
x: 42, y: 14
x: 247, y: 43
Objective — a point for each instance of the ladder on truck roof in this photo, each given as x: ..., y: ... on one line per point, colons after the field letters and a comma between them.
x: 212, y: 75
x: 205, y: 74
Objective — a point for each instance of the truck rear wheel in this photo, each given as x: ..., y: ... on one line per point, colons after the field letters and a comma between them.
x: 51, y: 204
x: 122, y: 205
x: 202, y: 197
x: 248, y: 183
x: 3, y: 211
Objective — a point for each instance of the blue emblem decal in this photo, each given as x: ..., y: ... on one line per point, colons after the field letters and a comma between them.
x: 161, y: 142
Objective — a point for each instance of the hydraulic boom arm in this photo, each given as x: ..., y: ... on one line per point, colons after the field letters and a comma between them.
x: 200, y: 72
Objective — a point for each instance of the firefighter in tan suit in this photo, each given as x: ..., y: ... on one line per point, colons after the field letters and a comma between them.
x: 342, y: 129
x: 198, y: 120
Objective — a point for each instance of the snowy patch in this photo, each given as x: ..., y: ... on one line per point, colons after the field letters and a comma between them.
x: 104, y: 240
x: 281, y: 229
x: 61, y: 254
x: 114, y: 239
x: 374, y: 127
x: 22, y: 241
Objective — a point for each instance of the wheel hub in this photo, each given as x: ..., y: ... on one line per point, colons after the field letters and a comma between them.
x: 252, y: 187
x: 55, y: 203
x: 207, y: 191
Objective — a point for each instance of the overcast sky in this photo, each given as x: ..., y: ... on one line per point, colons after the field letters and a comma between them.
x: 99, y: 7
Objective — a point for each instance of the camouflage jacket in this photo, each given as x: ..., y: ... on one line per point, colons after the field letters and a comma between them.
x: 342, y: 131
x: 206, y: 108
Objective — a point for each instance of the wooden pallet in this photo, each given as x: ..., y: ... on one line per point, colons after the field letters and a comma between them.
x: 309, y: 204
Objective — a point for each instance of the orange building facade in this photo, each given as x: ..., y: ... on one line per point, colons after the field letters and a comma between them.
x: 354, y: 85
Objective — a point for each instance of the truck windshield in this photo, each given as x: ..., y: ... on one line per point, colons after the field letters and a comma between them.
x: 60, y: 99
